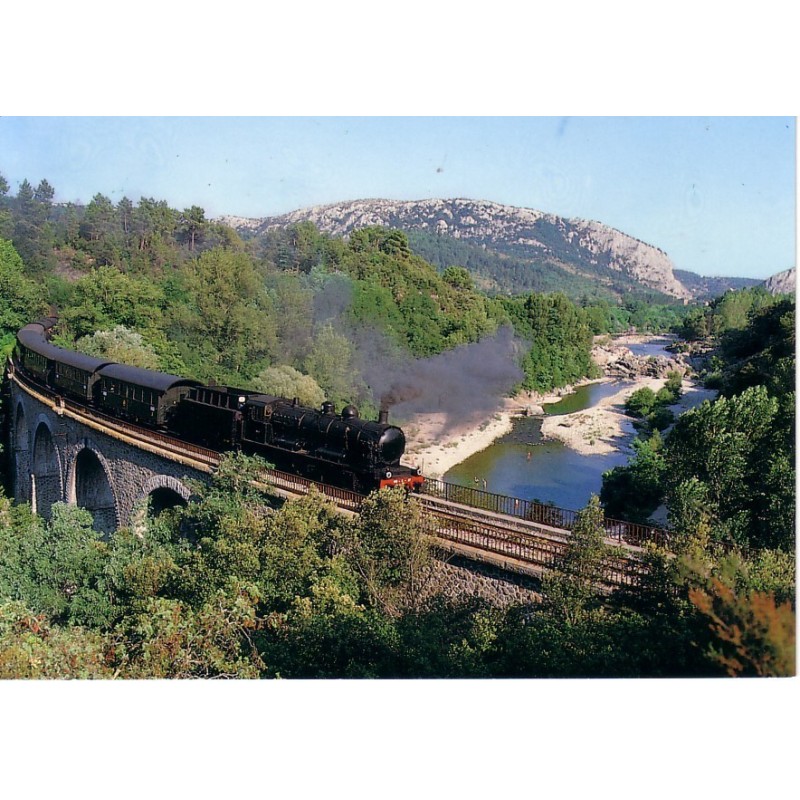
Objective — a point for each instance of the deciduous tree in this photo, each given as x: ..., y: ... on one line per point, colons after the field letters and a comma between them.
x: 389, y: 550
x: 285, y: 381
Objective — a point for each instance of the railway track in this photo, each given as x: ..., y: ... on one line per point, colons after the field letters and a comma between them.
x: 527, y: 548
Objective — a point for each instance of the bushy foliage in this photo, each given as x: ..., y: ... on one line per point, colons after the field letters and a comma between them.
x: 120, y: 344
x: 735, y: 448
x: 560, y: 340
x: 286, y: 381
x: 32, y: 647
x: 752, y: 632
x: 107, y: 297
x: 641, y: 402
x: 730, y: 312
x: 635, y: 490
x: 228, y: 313
x: 651, y: 408
x: 388, y: 550
x: 57, y: 567
x: 405, y: 296
x: 21, y: 299
x: 571, y: 589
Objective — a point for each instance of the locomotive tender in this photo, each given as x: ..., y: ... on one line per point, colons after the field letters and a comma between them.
x: 339, y: 449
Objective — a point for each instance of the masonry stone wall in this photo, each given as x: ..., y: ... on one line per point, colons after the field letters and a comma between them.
x: 458, y: 577
x: 55, y: 458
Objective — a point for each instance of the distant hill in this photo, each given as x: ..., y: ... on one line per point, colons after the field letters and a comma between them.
x: 707, y: 288
x: 508, y: 249
x: 782, y: 283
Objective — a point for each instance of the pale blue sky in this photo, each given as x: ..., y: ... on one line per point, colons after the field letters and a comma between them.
x: 717, y: 194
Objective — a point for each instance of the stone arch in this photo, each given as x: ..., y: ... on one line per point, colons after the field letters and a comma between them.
x: 165, y: 492
x: 158, y: 494
x: 46, y: 475
x: 90, y: 486
x: 21, y: 465
x: 21, y: 438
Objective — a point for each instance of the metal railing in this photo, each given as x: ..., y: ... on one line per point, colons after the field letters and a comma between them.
x: 621, y: 531
x: 288, y: 481
x: 527, y: 548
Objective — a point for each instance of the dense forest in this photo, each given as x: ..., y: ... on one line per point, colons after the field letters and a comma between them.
x: 234, y: 585
x: 508, y: 272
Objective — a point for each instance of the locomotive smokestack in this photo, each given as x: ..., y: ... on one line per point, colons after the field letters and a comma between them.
x: 397, y: 394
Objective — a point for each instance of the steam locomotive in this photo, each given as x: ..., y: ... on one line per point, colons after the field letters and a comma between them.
x: 339, y: 449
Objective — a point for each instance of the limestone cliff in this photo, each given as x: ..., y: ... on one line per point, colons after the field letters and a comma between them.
x: 782, y: 283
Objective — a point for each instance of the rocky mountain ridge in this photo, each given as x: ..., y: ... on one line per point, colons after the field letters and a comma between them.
x: 586, y: 248
x: 782, y: 283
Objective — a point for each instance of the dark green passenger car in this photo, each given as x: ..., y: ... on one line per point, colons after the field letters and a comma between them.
x: 140, y: 395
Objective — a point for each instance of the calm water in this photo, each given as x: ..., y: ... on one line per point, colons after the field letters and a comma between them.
x: 583, y: 397
x: 655, y: 347
x: 553, y: 473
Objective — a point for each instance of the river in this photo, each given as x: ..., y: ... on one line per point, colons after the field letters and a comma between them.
x: 521, y: 465
x: 653, y: 347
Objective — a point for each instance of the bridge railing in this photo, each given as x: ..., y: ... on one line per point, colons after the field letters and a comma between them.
x: 525, y: 548
x: 288, y: 481
x: 542, y: 513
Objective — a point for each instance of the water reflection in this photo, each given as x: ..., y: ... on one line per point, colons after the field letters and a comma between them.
x: 521, y: 465
x: 583, y: 397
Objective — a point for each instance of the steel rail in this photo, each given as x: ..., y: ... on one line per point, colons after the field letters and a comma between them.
x: 544, y: 552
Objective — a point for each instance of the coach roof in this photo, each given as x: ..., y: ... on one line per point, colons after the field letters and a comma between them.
x: 159, y: 381
x: 32, y: 337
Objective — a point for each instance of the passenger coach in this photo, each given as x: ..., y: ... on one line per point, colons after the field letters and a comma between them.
x: 141, y: 395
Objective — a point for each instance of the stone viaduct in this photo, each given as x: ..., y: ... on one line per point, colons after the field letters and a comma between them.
x: 55, y: 457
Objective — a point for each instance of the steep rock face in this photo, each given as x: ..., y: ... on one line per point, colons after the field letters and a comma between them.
x: 782, y: 283
x: 643, y: 262
x: 581, y: 246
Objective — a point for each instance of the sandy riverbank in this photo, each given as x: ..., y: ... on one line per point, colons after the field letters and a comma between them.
x: 435, y: 446
x: 605, y: 427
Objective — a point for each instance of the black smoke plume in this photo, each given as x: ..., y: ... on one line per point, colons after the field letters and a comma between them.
x: 464, y: 383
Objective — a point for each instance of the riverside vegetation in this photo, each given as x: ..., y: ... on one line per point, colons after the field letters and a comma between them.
x: 231, y: 587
